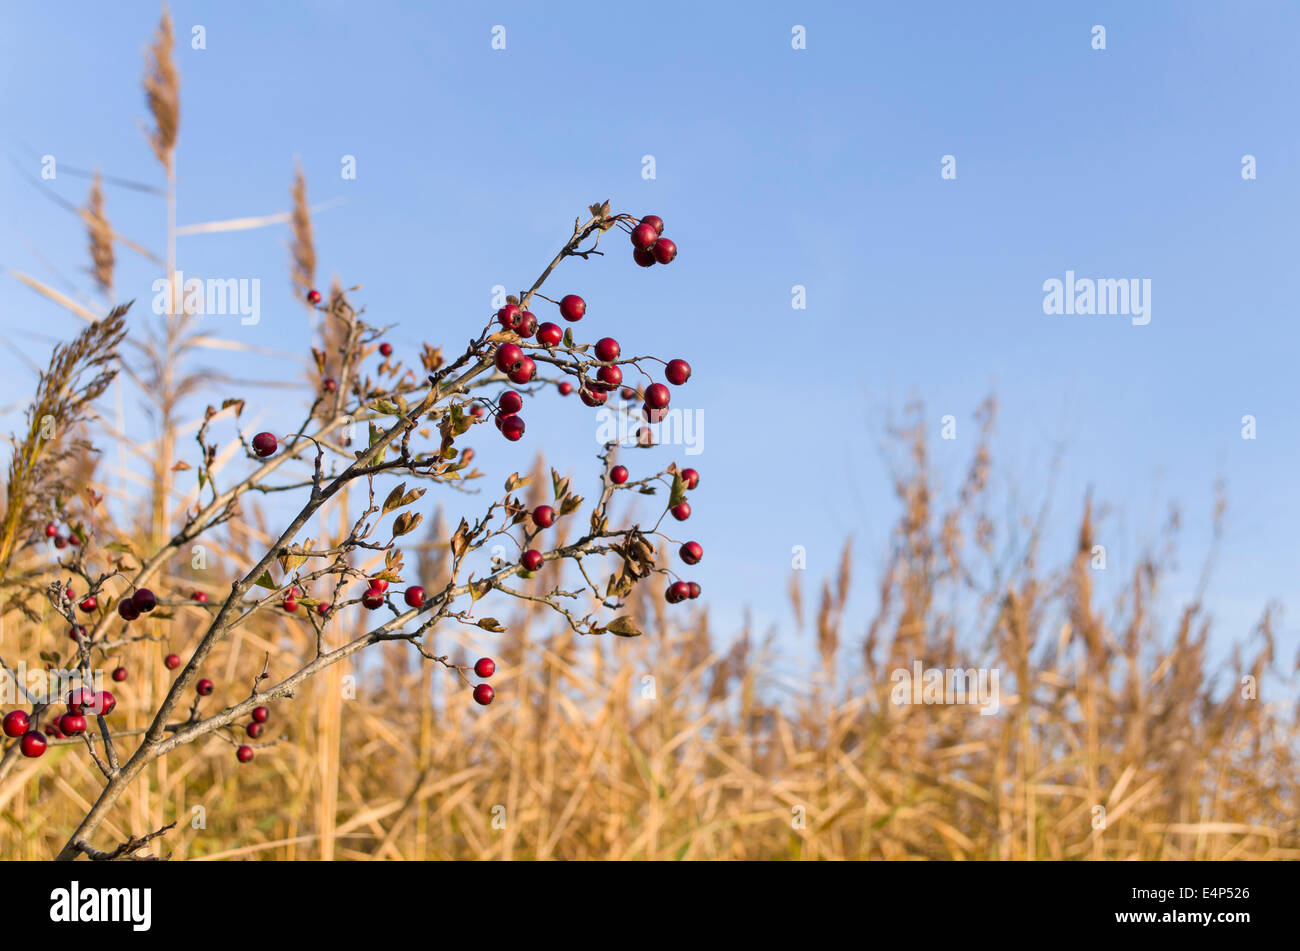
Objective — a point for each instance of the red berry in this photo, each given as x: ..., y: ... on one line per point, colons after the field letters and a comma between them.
x: 373, y: 598
x: 682, y: 511
x: 677, y: 372
x: 644, y: 236
x: 509, y: 356
x: 483, y: 694
x: 512, y: 427
x: 485, y: 667
x: 692, y: 552
x: 261, y: 714
x: 324, y: 609
x: 477, y: 411
x: 172, y: 661
x: 244, y: 754
x: 644, y: 437
x: 565, y: 387
x: 144, y: 600
x: 681, y: 590
x: 510, y: 317
x: 543, y: 516
x: 254, y: 730
x: 77, y: 631
x: 690, y: 477
x: 657, y: 396
x: 119, y: 674
x: 610, y: 376
x: 33, y: 744
x: 527, y: 325
x: 415, y: 597
x: 593, y: 397
x: 291, y: 604
x: 73, y: 540
x: 16, y: 723
x: 695, y: 590
x: 655, y: 222
x: 102, y: 704
x: 60, y: 541
x: 265, y: 444
x: 72, y: 724
x: 510, y: 402
x: 51, y: 530
x: 607, y: 349
x: 572, y: 307
x: 618, y: 475
x: 79, y: 700
x: 329, y: 384
x: 550, y: 335
x: 665, y: 250
x: 628, y: 393
x: 532, y: 559
x: 204, y: 687
x: 200, y: 596
x: 313, y: 297
x: 643, y: 258
x: 386, y: 349
x: 379, y: 584
x: 524, y: 372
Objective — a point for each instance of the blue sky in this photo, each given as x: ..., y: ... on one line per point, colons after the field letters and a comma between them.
x: 774, y: 167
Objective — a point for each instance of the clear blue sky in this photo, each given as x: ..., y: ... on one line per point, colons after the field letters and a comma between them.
x: 775, y: 167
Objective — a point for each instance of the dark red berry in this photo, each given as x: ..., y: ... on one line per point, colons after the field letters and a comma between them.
x: 379, y: 584
x: 593, y: 397
x: 72, y: 724
x: 415, y: 597
x: 265, y: 444
x: 324, y: 609
x: 16, y: 723
x: 254, y: 730
x: 386, y: 349
x: 695, y: 590
x: 483, y: 694
x: 644, y: 236
x: 33, y: 744
x: 527, y: 325
x: 373, y: 598
x: 329, y: 384
x: 512, y: 427
x: 607, y: 349
x: 682, y: 511
x: 60, y: 541
x: 643, y: 257
x: 618, y: 475
x: 690, y: 477
x: 510, y: 317
x: 664, y: 251
x: 172, y: 661
x: 261, y: 714
x: 524, y: 372
x: 119, y: 674
x: 550, y: 335
x: 543, y: 516
x: 77, y: 631
x: 657, y: 396
x: 677, y: 372
x: 510, y: 402
x: 51, y: 530
x: 572, y: 307
x: 313, y: 297
x: 565, y: 387
x: 509, y: 357
x: 103, y: 703
x: 610, y: 376
x: 200, y: 596
x: 485, y: 667
x: 144, y: 600
x: 628, y: 393
x: 204, y: 687
x: 244, y: 754
x: 477, y: 411
x: 655, y: 222
x: 532, y: 559
x: 692, y: 552
x: 681, y: 590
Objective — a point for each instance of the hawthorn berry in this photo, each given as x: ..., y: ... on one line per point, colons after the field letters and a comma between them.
x: 483, y: 694
x: 119, y: 673
x: 682, y: 511
x: 524, y: 372
x: 610, y: 376
x: 80, y: 700
x: 52, y: 731
x: 543, y: 516
x: 478, y: 411
x: 386, y: 349
x: 628, y: 393
x: 415, y: 597
x: 528, y: 325
x: 657, y: 396
x: 102, y: 703
x: 51, y: 530
x: 254, y: 730
x: 532, y: 559
x: 313, y: 297
x: 510, y: 402
x: 291, y: 604
x: 643, y: 257
x: 508, y: 357
x: 681, y: 590
x: 572, y: 307
x: 244, y: 754
x: 644, y: 236
x: 550, y: 335
x: 200, y: 596
x: 16, y: 723
x: 60, y: 541
x: 144, y: 600
x: 203, y: 687
x: 373, y: 598
x: 618, y: 475
x: 690, y: 477
x: 265, y: 444
x: 485, y: 667
x: 565, y: 387
x: 512, y: 427
x: 77, y: 631
x: 664, y: 251
x: 379, y: 584
x: 261, y: 714
x: 677, y: 372
x: 695, y: 590
x: 655, y: 222
x: 692, y: 552
x: 329, y: 384
x: 324, y: 609
x: 72, y: 724
x: 33, y: 744
x: 607, y: 349
x: 172, y: 661
x: 593, y: 397
x: 510, y: 317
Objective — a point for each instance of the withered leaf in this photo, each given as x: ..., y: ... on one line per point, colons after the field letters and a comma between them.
x: 406, y: 522
x: 623, y: 626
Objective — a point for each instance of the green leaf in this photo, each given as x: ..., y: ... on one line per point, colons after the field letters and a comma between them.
x: 265, y: 581
x: 679, y: 491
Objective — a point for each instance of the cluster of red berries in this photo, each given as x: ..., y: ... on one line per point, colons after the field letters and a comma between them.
x: 142, y: 602
x: 254, y: 730
x: 508, y: 419
x: 73, y: 722
x: 485, y: 667
x: 649, y: 246
x: 60, y: 540
x: 690, y: 552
